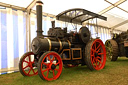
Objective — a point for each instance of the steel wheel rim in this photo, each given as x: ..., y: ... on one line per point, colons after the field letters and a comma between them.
x: 31, y: 71
x: 46, y: 68
x: 98, y: 54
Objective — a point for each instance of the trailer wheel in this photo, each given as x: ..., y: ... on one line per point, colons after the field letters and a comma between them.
x: 111, y: 49
x: 26, y: 66
x: 95, y: 54
x: 50, y: 66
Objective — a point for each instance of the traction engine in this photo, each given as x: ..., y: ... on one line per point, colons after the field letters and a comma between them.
x: 60, y: 48
x: 117, y: 46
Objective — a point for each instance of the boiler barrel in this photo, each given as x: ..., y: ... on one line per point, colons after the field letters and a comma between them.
x: 45, y: 44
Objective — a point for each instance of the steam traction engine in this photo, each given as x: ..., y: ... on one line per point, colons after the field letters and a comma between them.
x: 117, y: 46
x: 61, y: 48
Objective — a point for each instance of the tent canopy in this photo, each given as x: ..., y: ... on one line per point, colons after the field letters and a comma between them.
x: 116, y: 11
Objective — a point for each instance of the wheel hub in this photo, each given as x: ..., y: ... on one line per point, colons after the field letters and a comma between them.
x: 34, y: 64
x: 30, y: 65
x: 53, y: 66
x: 96, y: 54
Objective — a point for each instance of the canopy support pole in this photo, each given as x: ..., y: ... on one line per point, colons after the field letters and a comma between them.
x: 112, y: 6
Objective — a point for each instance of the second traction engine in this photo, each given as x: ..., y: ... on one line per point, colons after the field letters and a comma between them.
x: 117, y: 46
x: 60, y: 48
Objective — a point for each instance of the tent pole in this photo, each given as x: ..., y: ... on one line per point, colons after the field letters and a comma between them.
x: 111, y: 7
x: 12, y: 6
x: 31, y: 5
x: 28, y: 31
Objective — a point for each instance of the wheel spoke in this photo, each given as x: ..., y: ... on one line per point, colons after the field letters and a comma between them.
x: 96, y: 63
x: 93, y: 60
x: 93, y: 50
x: 98, y: 50
x: 53, y: 74
x: 99, y: 61
x: 53, y: 58
x: 29, y: 70
x: 92, y: 55
x: 45, y: 70
x: 56, y: 69
x: 26, y: 67
x: 45, y: 63
x: 57, y: 63
x: 98, y: 57
x: 98, y: 46
x: 25, y: 61
x: 108, y: 47
x: 47, y: 73
x: 49, y: 59
x: 109, y: 44
x: 33, y: 70
x: 100, y: 53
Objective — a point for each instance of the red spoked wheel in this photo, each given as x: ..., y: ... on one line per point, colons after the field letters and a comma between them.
x: 26, y: 65
x: 50, y: 66
x: 95, y: 54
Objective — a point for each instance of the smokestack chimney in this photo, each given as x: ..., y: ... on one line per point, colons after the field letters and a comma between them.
x: 39, y: 17
x: 53, y: 24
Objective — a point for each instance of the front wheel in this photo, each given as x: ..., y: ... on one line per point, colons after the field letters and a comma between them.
x: 26, y: 65
x: 50, y: 66
x: 95, y: 54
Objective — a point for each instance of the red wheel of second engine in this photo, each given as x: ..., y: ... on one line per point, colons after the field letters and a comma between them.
x: 95, y: 54
x: 98, y: 54
x: 26, y: 65
x: 50, y: 66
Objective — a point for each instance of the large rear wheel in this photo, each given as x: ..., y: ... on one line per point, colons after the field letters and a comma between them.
x: 26, y: 65
x: 111, y: 49
x: 95, y: 54
x: 50, y: 66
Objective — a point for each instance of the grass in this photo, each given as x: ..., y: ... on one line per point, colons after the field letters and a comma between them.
x: 114, y: 73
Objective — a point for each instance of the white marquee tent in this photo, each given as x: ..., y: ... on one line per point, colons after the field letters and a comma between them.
x: 18, y: 23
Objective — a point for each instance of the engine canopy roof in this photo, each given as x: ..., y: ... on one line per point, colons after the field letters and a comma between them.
x: 78, y: 16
